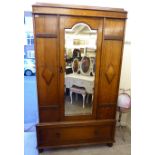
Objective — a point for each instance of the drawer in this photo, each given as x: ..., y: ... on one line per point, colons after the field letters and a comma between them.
x: 56, y: 136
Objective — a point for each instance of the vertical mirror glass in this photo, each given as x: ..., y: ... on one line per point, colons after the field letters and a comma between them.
x: 80, y: 56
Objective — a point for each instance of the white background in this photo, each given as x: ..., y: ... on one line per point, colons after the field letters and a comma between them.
x: 140, y: 32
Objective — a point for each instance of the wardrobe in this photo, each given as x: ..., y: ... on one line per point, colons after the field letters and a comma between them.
x: 78, y: 51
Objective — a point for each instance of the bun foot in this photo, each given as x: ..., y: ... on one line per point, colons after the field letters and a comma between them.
x: 110, y: 144
x: 41, y: 150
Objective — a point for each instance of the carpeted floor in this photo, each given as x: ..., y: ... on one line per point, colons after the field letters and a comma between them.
x: 76, y: 108
x: 120, y: 147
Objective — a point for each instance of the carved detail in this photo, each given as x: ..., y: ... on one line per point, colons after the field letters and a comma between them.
x: 47, y: 75
x: 110, y: 73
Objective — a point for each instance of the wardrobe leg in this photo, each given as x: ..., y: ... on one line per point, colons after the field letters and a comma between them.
x: 110, y: 144
x: 41, y: 150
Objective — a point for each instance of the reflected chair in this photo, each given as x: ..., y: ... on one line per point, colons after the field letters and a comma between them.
x: 78, y: 90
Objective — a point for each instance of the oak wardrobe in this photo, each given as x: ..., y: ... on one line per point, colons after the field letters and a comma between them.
x: 78, y: 52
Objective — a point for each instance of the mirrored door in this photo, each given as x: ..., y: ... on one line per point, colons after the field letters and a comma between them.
x: 80, y: 45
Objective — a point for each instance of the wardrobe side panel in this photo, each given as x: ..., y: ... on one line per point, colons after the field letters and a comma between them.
x: 111, y: 57
x: 109, y: 71
x: 47, y: 71
x: 47, y: 63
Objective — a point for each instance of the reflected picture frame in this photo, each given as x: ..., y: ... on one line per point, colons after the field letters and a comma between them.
x: 85, y: 66
x: 75, y: 66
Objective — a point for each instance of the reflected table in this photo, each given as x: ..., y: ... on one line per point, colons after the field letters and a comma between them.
x: 79, y: 80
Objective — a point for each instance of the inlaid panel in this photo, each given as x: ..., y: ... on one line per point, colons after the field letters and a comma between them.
x: 47, y: 75
x: 47, y: 71
x: 109, y: 71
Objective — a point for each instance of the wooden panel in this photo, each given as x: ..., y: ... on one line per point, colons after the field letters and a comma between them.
x: 79, y: 12
x: 110, y: 71
x: 84, y: 7
x: 114, y: 29
x: 47, y: 71
x: 51, y: 135
x: 46, y: 24
x: 49, y: 114
x: 106, y: 112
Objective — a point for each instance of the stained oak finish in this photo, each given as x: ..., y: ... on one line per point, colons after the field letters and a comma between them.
x: 49, y: 114
x: 66, y: 133
x: 109, y: 71
x: 106, y: 111
x: 47, y: 71
x: 114, y: 29
x: 47, y: 78
x: 83, y: 7
x: 47, y: 67
x: 54, y: 128
x: 79, y: 11
x: 46, y: 24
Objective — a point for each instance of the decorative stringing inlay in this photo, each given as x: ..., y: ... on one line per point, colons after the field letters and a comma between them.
x: 110, y: 73
x: 47, y: 75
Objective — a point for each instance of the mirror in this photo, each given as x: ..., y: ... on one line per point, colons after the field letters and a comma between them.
x: 75, y: 65
x: 85, y: 65
x: 80, y: 55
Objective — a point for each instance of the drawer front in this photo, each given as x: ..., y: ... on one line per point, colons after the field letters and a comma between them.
x: 57, y: 136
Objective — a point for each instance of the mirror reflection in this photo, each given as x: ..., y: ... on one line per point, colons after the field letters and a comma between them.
x: 80, y: 55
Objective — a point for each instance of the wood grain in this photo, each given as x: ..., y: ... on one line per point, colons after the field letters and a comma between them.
x: 66, y: 134
x: 46, y: 24
x: 83, y: 7
x: 54, y: 128
x: 111, y: 55
x: 114, y: 29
